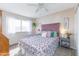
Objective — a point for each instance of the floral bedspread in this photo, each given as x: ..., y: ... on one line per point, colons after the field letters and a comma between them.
x: 39, y: 46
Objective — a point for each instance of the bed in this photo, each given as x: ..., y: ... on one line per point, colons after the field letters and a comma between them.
x: 37, y: 45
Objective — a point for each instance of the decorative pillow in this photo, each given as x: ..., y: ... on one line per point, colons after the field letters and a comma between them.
x: 44, y: 34
x: 54, y: 34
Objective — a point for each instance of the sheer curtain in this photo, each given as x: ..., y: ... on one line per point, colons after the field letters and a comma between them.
x: 17, y: 25
x: 13, y: 25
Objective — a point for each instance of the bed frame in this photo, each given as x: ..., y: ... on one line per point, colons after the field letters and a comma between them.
x: 51, y: 27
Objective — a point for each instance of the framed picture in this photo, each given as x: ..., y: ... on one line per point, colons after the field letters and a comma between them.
x: 66, y: 22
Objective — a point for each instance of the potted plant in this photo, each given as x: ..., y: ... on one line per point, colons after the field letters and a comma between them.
x: 34, y: 25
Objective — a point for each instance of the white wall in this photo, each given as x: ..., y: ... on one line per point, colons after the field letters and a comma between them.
x: 77, y: 29
x: 59, y: 18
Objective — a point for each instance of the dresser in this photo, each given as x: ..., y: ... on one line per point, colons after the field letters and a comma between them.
x: 4, y: 41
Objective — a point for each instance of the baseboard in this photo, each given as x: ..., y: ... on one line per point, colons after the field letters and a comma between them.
x: 13, y: 46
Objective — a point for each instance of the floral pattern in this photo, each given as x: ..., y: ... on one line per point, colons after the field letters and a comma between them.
x: 39, y: 46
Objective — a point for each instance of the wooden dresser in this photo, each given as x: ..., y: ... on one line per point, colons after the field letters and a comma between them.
x: 4, y: 42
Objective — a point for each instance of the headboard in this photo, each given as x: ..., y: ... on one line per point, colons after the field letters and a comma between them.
x: 51, y: 27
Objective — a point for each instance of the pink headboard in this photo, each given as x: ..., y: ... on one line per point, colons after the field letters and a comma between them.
x: 51, y: 27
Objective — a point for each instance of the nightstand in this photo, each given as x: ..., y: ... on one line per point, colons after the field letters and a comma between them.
x: 65, y: 42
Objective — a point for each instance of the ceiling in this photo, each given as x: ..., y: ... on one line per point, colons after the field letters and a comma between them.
x: 29, y: 11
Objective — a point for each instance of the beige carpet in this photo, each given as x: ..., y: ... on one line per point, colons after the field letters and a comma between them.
x: 64, y: 52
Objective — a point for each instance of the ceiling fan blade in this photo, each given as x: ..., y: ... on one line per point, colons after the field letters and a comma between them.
x: 40, y: 4
x: 37, y: 9
x: 45, y: 8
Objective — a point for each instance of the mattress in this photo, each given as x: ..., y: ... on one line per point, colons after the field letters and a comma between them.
x: 39, y: 46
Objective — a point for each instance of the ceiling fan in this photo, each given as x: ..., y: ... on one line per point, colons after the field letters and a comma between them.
x: 39, y: 6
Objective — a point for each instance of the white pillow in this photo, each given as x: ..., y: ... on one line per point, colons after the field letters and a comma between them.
x: 44, y: 34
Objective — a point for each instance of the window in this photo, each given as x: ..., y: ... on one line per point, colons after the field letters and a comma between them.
x: 15, y: 25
